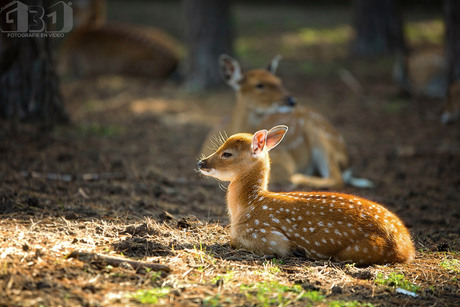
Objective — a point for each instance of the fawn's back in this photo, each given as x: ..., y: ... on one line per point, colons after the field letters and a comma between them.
x: 323, y: 225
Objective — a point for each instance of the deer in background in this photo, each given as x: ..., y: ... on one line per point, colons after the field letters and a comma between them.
x: 97, y: 47
x: 425, y: 74
x: 314, y: 154
x: 318, y: 225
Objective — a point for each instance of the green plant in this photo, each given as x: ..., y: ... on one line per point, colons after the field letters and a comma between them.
x: 154, y: 276
x: 349, y: 304
x: 225, y: 278
x: 397, y: 280
x: 203, y: 256
x: 99, y: 130
x: 150, y: 296
x: 272, y: 292
x: 451, y: 265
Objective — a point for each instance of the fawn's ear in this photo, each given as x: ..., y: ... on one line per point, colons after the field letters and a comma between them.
x: 274, y: 64
x: 258, y: 142
x: 230, y: 71
x: 275, y: 135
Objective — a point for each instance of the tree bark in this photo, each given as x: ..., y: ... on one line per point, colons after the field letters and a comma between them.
x: 378, y: 28
x: 208, y: 34
x: 452, y: 41
x: 452, y: 21
x: 28, y: 81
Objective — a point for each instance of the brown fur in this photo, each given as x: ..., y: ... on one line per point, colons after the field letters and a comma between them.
x: 97, y: 47
x: 321, y: 225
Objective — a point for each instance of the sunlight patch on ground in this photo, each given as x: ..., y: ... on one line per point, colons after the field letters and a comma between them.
x: 155, y: 105
x: 310, y: 36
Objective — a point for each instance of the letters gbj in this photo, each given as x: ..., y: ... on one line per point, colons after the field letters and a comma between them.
x: 18, y: 17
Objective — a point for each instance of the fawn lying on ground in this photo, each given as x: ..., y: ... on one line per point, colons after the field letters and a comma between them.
x: 96, y: 47
x: 319, y: 225
x: 313, y: 154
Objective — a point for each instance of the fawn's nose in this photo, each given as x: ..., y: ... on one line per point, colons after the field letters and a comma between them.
x: 291, y: 101
x: 201, y: 164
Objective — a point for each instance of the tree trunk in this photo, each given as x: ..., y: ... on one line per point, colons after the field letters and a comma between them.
x: 208, y: 34
x: 28, y: 81
x: 452, y: 41
x: 378, y: 28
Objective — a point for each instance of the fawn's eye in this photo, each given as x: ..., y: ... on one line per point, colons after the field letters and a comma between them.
x: 226, y: 155
x: 260, y: 86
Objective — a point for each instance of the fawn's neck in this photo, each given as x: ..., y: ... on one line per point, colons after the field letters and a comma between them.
x: 246, y: 187
x: 245, y: 118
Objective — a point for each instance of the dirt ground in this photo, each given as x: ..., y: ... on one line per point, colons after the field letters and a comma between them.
x: 121, y: 181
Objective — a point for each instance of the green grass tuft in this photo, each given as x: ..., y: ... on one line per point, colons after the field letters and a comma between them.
x: 451, y: 265
x: 273, y: 293
x: 150, y: 296
x: 397, y: 280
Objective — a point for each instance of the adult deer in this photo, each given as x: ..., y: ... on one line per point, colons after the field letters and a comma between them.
x: 318, y: 225
x: 314, y: 153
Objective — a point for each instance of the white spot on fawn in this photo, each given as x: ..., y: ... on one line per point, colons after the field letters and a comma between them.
x: 264, y: 207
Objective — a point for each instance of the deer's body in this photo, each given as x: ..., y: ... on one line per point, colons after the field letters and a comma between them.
x: 319, y: 225
x: 97, y: 47
x: 425, y: 74
x: 313, y: 154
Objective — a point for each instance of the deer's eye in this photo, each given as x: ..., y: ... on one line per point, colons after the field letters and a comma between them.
x: 260, y: 86
x: 226, y: 155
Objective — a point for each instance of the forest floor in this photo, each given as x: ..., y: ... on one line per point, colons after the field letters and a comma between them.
x: 120, y: 181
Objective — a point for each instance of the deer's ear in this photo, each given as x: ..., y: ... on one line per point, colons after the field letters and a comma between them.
x: 275, y: 136
x: 230, y: 71
x: 258, y: 142
x: 273, y: 66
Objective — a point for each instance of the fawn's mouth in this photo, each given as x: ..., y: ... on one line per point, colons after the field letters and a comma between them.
x: 207, y: 172
x: 204, y: 170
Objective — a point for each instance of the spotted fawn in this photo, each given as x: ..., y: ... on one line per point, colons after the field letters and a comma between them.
x: 319, y: 225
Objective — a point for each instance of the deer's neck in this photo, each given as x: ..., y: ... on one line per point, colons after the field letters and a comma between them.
x: 246, y: 189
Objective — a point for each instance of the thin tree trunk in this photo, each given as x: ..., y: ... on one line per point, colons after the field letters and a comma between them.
x: 378, y: 28
x: 452, y: 41
x: 29, y: 85
x: 208, y: 34
x: 452, y: 20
